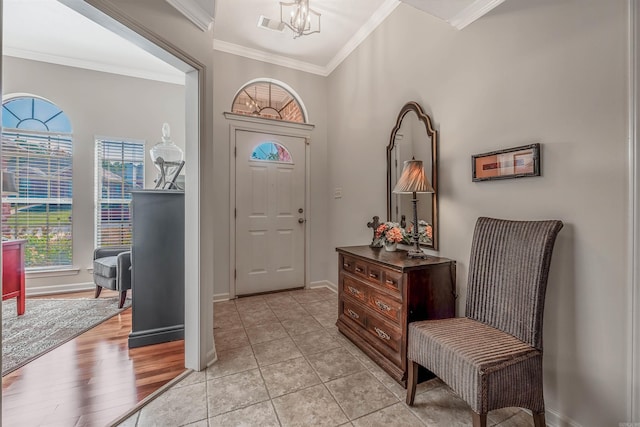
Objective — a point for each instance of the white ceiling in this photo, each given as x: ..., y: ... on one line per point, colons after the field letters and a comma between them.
x: 46, y: 30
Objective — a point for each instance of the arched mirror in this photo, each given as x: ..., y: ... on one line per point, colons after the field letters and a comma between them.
x: 413, y: 137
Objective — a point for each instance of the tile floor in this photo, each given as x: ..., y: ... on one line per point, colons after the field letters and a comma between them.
x: 282, y: 362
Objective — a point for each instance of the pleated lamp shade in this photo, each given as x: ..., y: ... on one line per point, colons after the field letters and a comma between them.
x: 413, y: 179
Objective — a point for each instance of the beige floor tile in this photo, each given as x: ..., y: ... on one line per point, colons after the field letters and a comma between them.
x: 131, y: 421
x: 258, y: 415
x: 176, y: 407
x: 334, y: 364
x: 320, y: 308
x: 202, y: 423
x: 235, y: 391
x: 224, y: 307
x: 360, y: 394
x: 292, y: 311
x: 395, y: 415
x: 312, y: 406
x: 441, y: 407
x: 193, y: 378
x: 289, y: 376
x: 226, y: 339
x: 500, y: 415
x: 327, y: 320
x: 315, y: 342
x: 265, y: 332
x: 520, y: 419
x: 229, y: 320
x: 301, y: 325
x: 310, y: 295
x: 280, y: 299
x: 258, y: 316
x: 231, y: 362
x: 268, y: 353
x: 248, y: 303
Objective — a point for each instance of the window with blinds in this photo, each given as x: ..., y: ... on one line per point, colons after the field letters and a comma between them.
x: 119, y: 169
x: 38, y: 207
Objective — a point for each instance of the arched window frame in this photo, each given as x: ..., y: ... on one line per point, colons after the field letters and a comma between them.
x: 37, y: 144
x: 294, y: 95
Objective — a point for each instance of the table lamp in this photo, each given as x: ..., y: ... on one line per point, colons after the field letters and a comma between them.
x: 413, y: 181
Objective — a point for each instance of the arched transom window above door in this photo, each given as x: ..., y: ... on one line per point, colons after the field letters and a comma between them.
x: 270, y: 100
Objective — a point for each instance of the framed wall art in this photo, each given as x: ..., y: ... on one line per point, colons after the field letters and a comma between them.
x: 513, y: 162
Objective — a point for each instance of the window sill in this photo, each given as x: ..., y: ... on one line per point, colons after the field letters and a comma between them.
x: 51, y: 272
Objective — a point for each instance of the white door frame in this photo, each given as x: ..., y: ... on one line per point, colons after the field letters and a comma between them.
x: 198, y: 320
x: 633, y: 307
x: 276, y: 127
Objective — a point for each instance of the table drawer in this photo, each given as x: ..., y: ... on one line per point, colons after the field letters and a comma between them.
x: 348, y: 264
x: 385, y: 333
x: 355, y: 313
x: 354, y: 288
x: 392, y: 280
x: 387, y: 307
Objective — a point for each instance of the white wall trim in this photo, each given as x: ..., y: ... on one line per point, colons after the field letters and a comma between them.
x: 194, y: 13
x: 376, y: 19
x: 52, y: 272
x: 555, y: 419
x: 633, y: 365
x: 473, y: 12
x: 324, y: 284
x: 221, y: 297
x: 177, y: 78
x: 251, y: 120
x: 59, y: 289
x: 271, y: 58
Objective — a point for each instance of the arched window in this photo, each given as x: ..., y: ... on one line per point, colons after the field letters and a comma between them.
x: 268, y: 99
x: 37, y: 188
x: 271, y: 152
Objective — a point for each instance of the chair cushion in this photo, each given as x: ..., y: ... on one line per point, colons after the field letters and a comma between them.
x: 105, y: 267
x: 470, y: 356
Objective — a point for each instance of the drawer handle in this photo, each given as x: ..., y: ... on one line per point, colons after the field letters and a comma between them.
x: 346, y: 265
x: 382, y: 334
x: 390, y: 282
x: 353, y: 290
x: 373, y: 275
x: 383, y: 306
x: 353, y: 314
x: 359, y: 270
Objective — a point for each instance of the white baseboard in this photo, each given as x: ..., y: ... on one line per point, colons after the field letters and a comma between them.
x: 323, y: 284
x: 212, y: 357
x: 221, y: 297
x: 555, y: 419
x: 59, y: 289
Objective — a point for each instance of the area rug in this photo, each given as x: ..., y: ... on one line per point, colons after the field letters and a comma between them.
x: 47, y: 324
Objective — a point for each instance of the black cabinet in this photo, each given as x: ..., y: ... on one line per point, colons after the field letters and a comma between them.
x: 157, y: 267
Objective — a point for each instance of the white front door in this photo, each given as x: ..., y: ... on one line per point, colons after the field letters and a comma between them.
x: 270, y: 212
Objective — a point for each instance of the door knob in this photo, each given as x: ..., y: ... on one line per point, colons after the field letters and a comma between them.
x: 300, y: 210
x: 300, y: 220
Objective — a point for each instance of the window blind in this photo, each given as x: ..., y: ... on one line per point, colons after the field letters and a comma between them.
x: 40, y: 212
x: 119, y: 169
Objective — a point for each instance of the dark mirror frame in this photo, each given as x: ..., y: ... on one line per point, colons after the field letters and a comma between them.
x: 433, y: 135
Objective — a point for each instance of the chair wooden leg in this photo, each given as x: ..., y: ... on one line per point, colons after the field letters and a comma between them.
x: 412, y: 381
x: 98, y: 290
x: 538, y: 419
x: 123, y: 297
x: 479, y: 420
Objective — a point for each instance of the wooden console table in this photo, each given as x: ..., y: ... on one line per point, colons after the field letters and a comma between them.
x: 13, y: 272
x: 380, y: 292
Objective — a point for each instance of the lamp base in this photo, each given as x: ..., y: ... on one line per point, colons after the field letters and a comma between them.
x: 413, y: 253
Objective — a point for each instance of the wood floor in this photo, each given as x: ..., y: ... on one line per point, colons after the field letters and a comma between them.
x: 90, y: 380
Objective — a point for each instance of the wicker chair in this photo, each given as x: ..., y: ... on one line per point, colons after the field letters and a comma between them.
x: 492, y: 357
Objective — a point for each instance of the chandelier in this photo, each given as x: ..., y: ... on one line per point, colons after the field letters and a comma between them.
x: 302, y: 19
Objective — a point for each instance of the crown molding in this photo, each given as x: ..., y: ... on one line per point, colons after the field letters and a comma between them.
x: 194, y: 12
x: 93, y: 65
x: 260, y: 55
x: 376, y: 19
x: 473, y: 12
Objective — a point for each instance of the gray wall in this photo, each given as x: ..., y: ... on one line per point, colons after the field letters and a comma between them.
x: 100, y: 104
x: 231, y: 72
x: 553, y: 72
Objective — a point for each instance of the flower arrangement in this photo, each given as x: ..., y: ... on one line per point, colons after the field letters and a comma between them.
x: 425, y: 233
x: 389, y: 232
